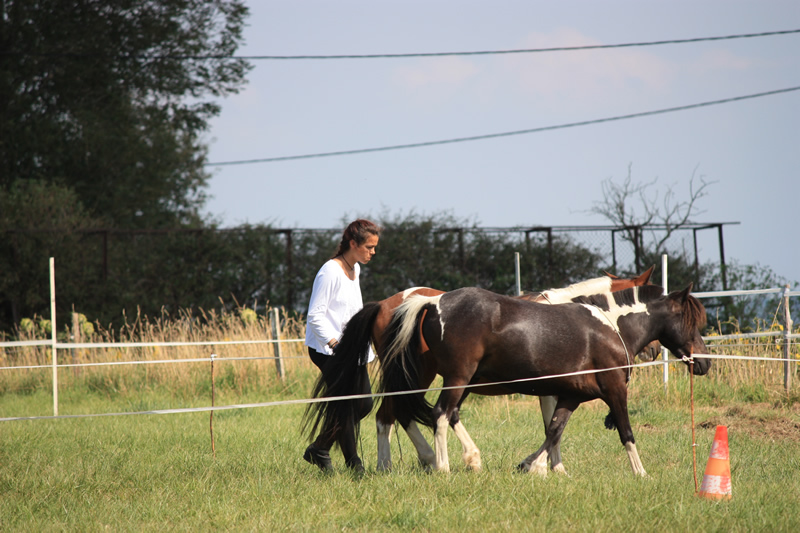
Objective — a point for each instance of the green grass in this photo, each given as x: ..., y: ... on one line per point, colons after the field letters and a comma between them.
x: 157, y: 472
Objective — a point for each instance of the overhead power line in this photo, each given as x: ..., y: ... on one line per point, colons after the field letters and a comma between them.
x: 504, y: 134
x: 412, y: 55
x: 524, y: 50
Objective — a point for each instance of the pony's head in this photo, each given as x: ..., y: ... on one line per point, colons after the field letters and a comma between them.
x: 681, y: 334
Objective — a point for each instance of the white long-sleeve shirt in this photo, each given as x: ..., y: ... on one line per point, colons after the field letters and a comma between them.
x: 335, y: 298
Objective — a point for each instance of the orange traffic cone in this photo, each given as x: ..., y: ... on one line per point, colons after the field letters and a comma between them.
x: 717, y: 479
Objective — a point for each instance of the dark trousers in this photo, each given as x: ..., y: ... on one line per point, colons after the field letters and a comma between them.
x: 342, y: 432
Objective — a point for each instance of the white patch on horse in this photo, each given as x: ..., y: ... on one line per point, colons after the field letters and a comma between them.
x: 470, y: 453
x: 440, y: 444
x: 412, y: 290
x: 441, y: 316
x: 611, y: 317
x: 584, y: 288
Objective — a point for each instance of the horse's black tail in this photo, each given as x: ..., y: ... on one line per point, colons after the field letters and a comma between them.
x: 348, y: 365
x: 402, y: 362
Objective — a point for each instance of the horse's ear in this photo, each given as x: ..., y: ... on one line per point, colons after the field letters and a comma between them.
x: 684, y: 294
x: 646, y: 276
x: 612, y: 276
x: 680, y: 297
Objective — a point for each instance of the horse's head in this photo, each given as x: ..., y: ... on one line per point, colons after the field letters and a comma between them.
x: 681, y: 334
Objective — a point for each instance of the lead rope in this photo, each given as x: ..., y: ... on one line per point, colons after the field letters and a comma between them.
x: 690, y: 360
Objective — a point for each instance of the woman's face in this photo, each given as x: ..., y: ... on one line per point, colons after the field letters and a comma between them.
x: 364, y: 252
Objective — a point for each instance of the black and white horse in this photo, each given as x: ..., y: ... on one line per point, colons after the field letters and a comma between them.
x: 476, y: 336
x: 367, y: 327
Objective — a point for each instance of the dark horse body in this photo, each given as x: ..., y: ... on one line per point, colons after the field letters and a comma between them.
x: 477, y: 336
x: 369, y: 325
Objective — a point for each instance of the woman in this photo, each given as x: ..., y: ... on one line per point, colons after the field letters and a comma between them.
x: 335, y: 298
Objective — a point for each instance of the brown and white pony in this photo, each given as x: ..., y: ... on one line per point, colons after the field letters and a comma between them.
x: 368, y: 327
x: 476, y: 336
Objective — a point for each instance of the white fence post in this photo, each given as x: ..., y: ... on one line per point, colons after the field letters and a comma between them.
x: 787, y: 339
x: 518, y: 290
x: 276, y: 336
x: 53, y: 333
x: 665, y: 284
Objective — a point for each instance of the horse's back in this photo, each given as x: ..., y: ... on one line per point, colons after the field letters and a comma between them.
x: 538, y: 333
x: 478, y: 316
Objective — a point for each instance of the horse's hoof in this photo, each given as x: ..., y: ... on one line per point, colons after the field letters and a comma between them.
x: 523, y: 467
x: 318, y: 457
x: 355, y: 465
x: 541, y: 471
x: 473, y: 462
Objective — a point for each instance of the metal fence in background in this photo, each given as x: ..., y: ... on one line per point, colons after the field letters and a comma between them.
x: 789, y: 340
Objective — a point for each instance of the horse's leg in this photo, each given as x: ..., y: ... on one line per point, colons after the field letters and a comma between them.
x: 537, y: 461
x: 384, y: 423
x: 470, y: 453
x: 548, y: 406
x: 445, y: 413
x: 440, y: 439
x: 426, y: 455
x: 617, y: 401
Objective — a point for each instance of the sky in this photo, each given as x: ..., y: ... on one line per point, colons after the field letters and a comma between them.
x: 748, y: 151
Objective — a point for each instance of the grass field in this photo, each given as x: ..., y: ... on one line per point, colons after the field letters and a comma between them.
x: 157, y: 472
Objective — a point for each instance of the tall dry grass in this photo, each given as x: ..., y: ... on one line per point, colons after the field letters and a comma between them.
x: 239, y: 367
x: 760, y: 379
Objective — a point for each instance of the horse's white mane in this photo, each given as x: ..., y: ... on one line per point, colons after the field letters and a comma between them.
x: 589, y: 287
x: 407, y: 312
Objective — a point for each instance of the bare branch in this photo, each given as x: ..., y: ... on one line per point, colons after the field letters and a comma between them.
x: 620, y: 202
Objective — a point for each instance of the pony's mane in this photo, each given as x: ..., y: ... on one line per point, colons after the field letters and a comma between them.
x: 694, y: 314
x: 624, y: 298
x: 601, y: 285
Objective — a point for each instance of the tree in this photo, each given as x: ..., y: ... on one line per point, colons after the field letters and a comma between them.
x: 107, y: 98
x: 24, y: 277
x: 634, y: 206
x: 447, y: 253
x: 668, y: 213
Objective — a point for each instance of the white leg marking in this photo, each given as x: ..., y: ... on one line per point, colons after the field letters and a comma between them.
x: 470, y: 453
x: 440, y: 444
x: 633, y: 457
x: 384, y: 446
x: 539, y: 465
x: 426, y: 455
